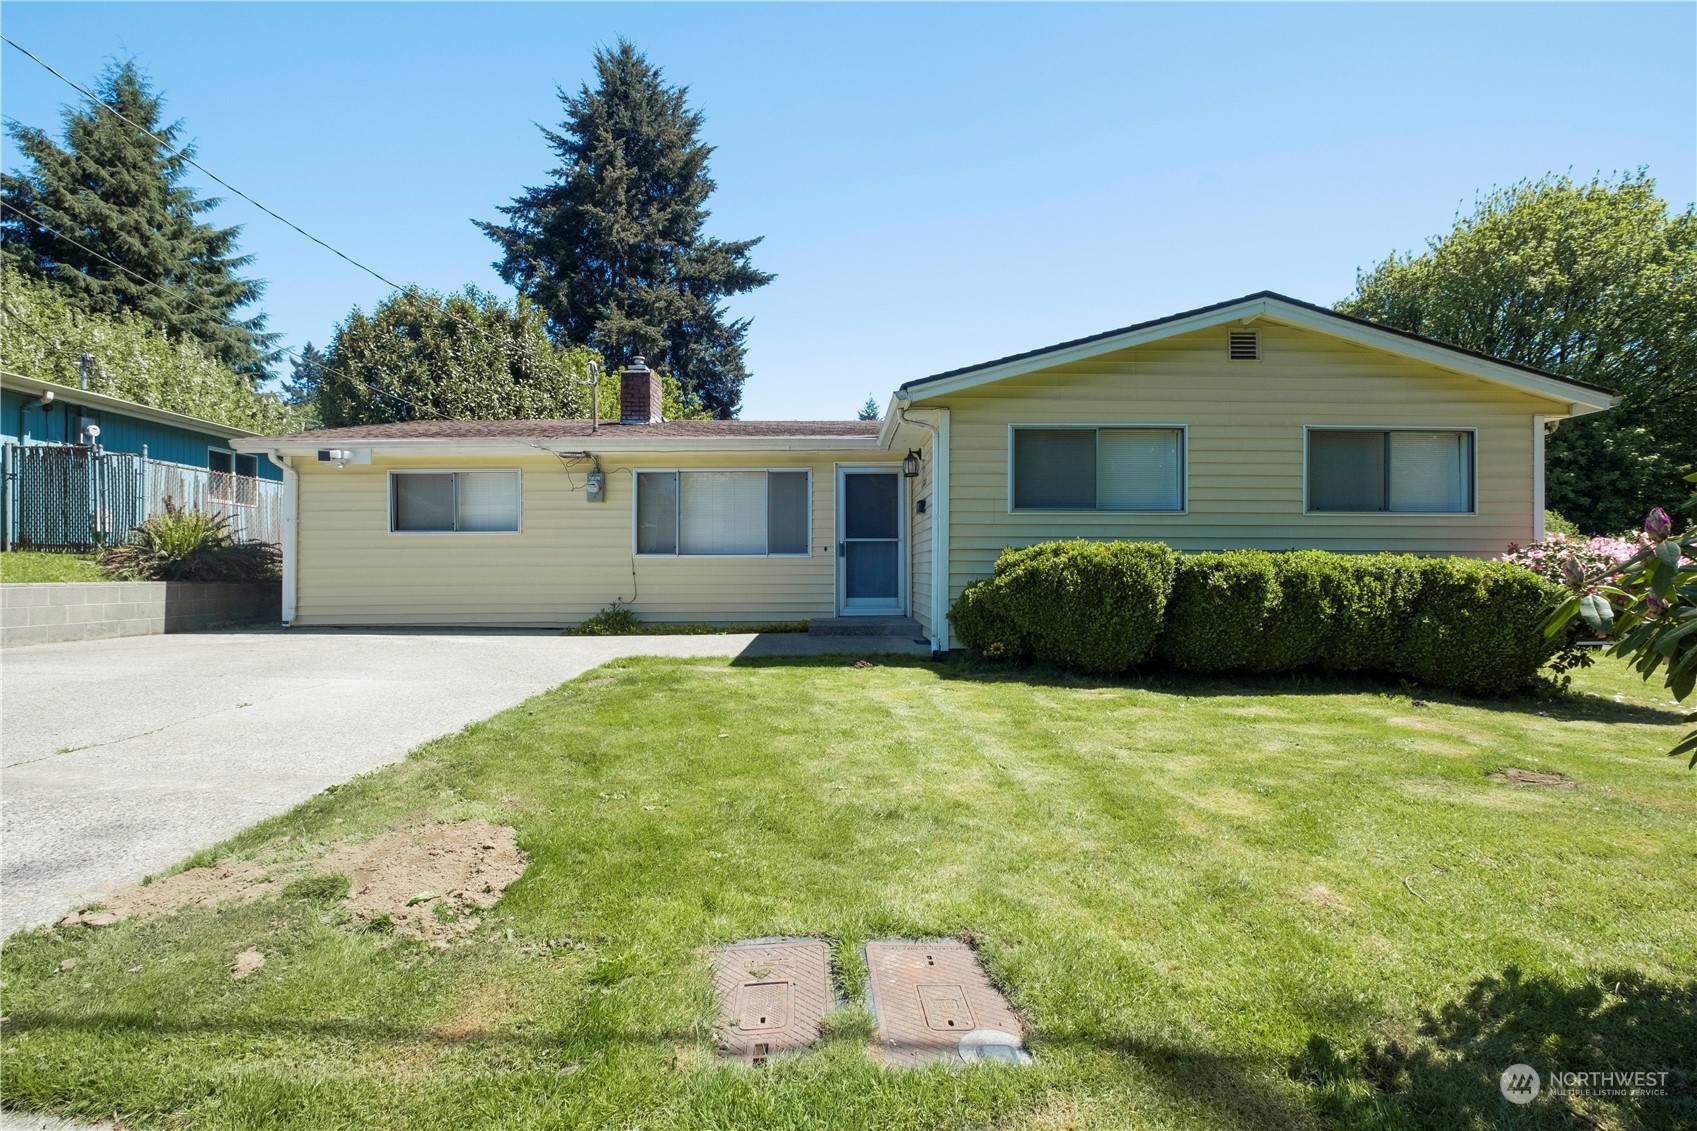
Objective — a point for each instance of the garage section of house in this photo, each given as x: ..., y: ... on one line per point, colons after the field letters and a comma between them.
x: 1260, y: 422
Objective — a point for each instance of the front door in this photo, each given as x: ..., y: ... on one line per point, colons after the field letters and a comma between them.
x: 869, y: 541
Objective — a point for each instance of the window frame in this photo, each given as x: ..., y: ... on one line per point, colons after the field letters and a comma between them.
x: 235, y: 498
x: 678, y: 554
x: 518, y: 481
x: 1472, y: 431
x: 1184, y: 469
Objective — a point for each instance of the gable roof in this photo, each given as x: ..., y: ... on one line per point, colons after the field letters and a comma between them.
x: 107, y: 403
x: 1581, y: 396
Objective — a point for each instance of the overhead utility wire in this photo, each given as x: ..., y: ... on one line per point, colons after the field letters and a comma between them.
x: 184, y: 299
x: 226, y: 184
x: 180, y: 153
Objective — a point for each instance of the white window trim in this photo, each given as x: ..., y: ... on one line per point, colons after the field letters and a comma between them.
x: 518, y: 478
x: 1184, y: 472
x: 678, y: 554
x: 1473, y: 492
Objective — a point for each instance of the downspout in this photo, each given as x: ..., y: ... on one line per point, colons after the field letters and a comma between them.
x: 939, y: 522
x: 291, y: 504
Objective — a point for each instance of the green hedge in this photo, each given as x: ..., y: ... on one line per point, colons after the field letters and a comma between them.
x: 1458, y: 623
x: 1092, y: 606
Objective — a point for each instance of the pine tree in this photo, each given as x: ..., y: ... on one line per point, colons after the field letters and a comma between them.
x: 869, y: 410
x: 121, y: 195
x: 306, y: 376
x: 612, y: 246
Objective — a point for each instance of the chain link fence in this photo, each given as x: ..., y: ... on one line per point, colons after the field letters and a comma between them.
x: 76, y: 497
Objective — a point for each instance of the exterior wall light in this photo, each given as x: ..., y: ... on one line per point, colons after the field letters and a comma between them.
x: 910, y: 464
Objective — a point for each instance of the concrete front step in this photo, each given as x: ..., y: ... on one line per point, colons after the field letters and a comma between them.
x: 864, y: 626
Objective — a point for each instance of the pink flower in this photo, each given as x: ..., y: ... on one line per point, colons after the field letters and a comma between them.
x: 1658, y: 525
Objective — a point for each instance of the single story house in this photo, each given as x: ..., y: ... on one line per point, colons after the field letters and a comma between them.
x: 1259, y: 422
x: 43, y: 412
x: 79, y: 469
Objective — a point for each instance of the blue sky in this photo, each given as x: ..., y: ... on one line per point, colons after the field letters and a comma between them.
x: 939, y: 184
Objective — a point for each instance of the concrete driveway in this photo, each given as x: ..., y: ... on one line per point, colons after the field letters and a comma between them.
x: 120, y: 757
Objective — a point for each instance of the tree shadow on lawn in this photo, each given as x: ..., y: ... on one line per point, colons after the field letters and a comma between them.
x: 1558, y: 706
x: 1450, y: 1077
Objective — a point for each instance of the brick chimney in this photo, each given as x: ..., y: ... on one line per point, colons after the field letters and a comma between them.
x: 639, y: 393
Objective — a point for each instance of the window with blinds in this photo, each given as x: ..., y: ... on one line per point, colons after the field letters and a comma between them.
x: 454, y: 502
x: 1406, y: 471
x: 1100, y: 469
x: 708, y: 513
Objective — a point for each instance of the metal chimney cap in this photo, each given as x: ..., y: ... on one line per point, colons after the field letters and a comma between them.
x: 638, y: 362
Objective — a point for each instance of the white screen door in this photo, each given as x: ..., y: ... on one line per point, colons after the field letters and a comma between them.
x: 869, y: 541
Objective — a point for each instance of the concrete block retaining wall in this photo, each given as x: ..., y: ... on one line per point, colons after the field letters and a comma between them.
x: 58, y: 611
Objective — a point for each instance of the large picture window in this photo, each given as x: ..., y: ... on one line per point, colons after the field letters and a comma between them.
x: 454, y: 502
x: 710, y: 513
x: 1098, y: 469
x: 1409, y: 471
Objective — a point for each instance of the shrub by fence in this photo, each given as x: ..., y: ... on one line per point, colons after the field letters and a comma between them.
x: 1458, y: 623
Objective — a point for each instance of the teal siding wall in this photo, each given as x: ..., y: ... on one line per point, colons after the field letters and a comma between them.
x: 24, y: 419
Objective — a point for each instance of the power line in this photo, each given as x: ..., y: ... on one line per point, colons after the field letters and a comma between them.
x: 113, y: 262
x: 185, y: 156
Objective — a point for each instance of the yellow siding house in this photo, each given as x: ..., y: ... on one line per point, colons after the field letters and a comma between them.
x: 1263, y: 422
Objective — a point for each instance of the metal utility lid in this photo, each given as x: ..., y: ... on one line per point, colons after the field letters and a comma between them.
x: 933, y: 1002
x: 772, y: 995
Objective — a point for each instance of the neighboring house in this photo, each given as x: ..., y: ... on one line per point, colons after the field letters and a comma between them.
x: 1262, y: 422
x: 81, y: 468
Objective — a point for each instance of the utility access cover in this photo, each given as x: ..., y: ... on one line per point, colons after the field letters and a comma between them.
x: 933, y: 1002
x: 772, y: 993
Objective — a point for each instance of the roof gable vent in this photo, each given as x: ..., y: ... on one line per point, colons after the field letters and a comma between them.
x: 1245, y: 346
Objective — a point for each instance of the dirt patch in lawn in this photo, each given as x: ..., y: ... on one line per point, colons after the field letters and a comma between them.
x: 1532, y: 777
x: 427, y: 882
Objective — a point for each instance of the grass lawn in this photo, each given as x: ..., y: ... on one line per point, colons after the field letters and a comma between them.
x: 39, y: 565
x: 1273, y: 904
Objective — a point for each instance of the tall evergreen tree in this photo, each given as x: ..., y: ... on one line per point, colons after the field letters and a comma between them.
x: 120, y: 194
x: 612, y: 247
x: 306, y: 376
x: 869, y: 410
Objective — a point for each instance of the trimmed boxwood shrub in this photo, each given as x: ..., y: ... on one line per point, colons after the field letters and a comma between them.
x: 1476, y: 626
x: 1459, y: 623
x: 1090, y: 606
x: 1254, y: 611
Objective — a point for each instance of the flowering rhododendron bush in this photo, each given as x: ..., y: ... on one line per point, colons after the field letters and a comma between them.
x: 1548, y: 558
x: 1647, y: 603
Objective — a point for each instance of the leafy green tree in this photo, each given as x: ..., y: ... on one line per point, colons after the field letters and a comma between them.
x: 42, y: 333
x: 869, y: 410
x: 120, y: 195
x: 466, y: 356
x: 1596, y: 281
x: 612, y: 247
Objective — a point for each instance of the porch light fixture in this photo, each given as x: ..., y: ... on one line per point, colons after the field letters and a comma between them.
x: 910, y: 464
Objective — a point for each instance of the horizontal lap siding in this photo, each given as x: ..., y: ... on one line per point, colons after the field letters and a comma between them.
x: 1245, y: 455
x: 572, y: 557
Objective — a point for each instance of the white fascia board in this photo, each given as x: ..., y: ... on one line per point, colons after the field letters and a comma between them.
x: 1579, y: 400
x: 86, y: 398
x: 1081, y: 352
x: 544, y: 445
